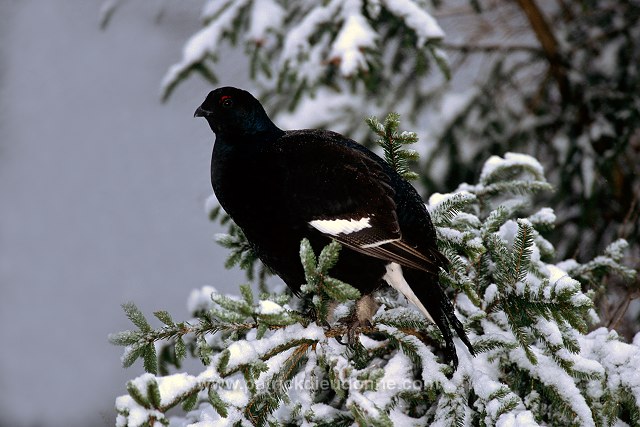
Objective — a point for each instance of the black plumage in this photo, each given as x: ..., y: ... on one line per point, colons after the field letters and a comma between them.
x: 282, y: 186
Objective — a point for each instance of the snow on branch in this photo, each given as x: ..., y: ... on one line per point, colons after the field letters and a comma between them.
x: 424, y: 25
x: 275, y: 359
x: 305, y: 43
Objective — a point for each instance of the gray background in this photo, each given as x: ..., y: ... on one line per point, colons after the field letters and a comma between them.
x: 102, y: 190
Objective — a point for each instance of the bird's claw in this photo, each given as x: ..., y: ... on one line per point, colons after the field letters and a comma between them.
x: 354, y: 328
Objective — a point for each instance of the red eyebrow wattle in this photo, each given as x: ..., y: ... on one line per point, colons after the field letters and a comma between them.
x: 223, y: 97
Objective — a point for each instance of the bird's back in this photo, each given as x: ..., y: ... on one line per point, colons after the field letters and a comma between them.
x: 273, y: 187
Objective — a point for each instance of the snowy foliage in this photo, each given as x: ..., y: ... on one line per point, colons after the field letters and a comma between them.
x: 300, y: 45
x: 572, y: 103
x: 392, y: 143
x: 266, y: 361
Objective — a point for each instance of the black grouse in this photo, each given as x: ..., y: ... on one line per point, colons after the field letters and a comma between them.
x: 282, y: 186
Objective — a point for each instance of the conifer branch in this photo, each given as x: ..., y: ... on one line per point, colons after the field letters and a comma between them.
x: 526, y: 318
x: 392, y: 142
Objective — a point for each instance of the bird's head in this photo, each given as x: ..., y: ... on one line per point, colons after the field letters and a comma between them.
x: 232, y: 111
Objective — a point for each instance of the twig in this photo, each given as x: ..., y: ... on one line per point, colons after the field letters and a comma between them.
x: 622, y: 230
x: 622, y: 309
x: 489, y: 48
x: 549, y: 45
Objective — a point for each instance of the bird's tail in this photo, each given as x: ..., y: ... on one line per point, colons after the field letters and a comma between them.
x: 428, y: 291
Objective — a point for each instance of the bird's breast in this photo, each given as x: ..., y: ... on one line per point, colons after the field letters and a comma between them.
x: 248, y: 185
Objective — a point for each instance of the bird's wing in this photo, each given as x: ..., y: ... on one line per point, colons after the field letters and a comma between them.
x: 346, y: 194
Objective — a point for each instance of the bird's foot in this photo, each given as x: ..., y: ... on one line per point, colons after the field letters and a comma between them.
x: 360, y: 318
x: 354, y: 327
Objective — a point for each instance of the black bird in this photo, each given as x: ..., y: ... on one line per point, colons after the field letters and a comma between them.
x: 282, y: 186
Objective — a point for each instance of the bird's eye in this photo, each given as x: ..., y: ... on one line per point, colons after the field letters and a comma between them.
x: 226, y: 101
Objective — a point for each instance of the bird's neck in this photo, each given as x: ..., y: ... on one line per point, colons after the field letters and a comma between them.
x: 258, y: 134
x: 258, y: 128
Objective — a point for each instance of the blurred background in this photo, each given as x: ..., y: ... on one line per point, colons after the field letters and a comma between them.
x: 102, y: 186
x: 102, y: 199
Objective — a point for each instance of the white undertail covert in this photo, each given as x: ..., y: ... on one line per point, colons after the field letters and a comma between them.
x: 397, y: 281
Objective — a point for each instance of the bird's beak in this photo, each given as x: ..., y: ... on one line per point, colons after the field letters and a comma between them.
x: 201, y: 112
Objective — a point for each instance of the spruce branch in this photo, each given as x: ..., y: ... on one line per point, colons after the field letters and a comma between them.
x: 445, y: 211
x: 527, y: 319
x: 593, y: 273
x: 241, y: 253
x: 522, y: 249
x: 320, y: 286
x: 392, y: 143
